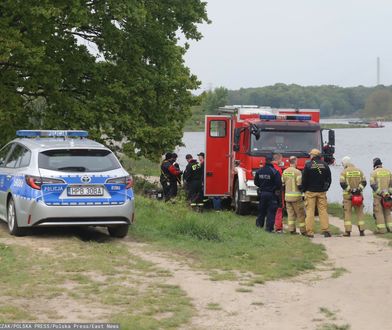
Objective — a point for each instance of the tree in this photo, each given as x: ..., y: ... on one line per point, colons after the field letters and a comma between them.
x: 212, y: 100
x: 114, y: 67
x: 379, y: 103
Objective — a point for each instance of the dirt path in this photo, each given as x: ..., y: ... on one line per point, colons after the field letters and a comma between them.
x: 359, y: 297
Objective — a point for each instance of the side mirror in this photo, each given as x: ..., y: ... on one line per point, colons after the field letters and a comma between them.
x: 237, y: 135
x: 255, y: 131
x: 331, y: 137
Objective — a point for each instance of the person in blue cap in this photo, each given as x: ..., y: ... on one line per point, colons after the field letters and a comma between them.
x: 269, y: 183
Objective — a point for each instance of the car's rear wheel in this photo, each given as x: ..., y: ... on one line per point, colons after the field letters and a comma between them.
x: 12, y: 220
x: 119, y: 231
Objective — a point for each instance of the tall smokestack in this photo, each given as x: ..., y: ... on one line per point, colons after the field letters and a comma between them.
x: 378, y: 71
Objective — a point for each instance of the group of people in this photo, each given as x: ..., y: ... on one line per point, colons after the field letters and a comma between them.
x: 192, y: 178
x: 306, y: 192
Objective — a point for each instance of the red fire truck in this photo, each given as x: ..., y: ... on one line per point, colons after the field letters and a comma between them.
x: 241, y: 136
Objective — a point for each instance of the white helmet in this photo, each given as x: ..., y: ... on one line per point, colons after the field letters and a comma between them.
x: 346, y: 160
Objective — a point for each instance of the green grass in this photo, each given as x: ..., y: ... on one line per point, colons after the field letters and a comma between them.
x: 106, y: 274
x: 336, y: 210
x: 338, y: 126
x: 224, y: 243
x: 338, y: 271
x: 9, y: 313
x: 141, y: 166
x: 328, y: 313
x: 332, y: 326
x: 214, y: 307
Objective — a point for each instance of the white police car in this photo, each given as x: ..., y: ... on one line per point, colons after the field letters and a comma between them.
x: 61, y: 178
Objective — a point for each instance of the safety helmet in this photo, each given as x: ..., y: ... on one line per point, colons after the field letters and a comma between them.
x: 376, y: 162
x: 346, y: 160
x: 356, y: 200
x: 386, y: 202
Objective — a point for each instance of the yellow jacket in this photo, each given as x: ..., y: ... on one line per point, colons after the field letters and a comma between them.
x: 292, y: 180
x: 352, y: 178
x: 381, y: 181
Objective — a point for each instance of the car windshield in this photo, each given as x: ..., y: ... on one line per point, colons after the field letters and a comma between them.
x: 78, y: 160
x: 285, y: 142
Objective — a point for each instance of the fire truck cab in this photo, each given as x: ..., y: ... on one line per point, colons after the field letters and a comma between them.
x: 239, y: 139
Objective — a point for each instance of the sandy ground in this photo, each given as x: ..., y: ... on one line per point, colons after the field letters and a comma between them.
x: 360, y: 297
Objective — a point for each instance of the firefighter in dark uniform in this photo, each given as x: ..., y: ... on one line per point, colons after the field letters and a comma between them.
x: 268, y: 179
x: 170, y: 174
x: 316, y: 180
x: 193, y: 177
x: 165, y: 175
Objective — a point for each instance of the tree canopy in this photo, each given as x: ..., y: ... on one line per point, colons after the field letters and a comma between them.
x: 331, y: 100
x: 114, y: 67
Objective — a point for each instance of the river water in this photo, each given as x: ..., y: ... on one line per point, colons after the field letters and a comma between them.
x: 361, y: 144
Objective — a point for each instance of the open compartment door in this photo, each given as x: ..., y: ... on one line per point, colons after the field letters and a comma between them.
x: 218, y: 156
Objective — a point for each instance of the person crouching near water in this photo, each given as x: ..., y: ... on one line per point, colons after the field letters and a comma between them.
x: 269, y: 182
x: 352, y: 182
x: 292, y: 183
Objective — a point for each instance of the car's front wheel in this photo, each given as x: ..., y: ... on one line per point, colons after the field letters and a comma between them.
x: 12, y: 220
x: 118, y: 231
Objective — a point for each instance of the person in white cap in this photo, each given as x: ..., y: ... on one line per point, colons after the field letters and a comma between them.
x: 352, y: 182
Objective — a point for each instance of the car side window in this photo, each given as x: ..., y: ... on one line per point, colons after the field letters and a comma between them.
x: 4, y: 153
x: 14, y: 156
x: 24, y: 159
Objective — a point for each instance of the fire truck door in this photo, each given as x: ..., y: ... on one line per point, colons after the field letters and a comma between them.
x: 217, y: 158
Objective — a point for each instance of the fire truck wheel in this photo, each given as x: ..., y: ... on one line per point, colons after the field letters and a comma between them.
x: 241, y: 208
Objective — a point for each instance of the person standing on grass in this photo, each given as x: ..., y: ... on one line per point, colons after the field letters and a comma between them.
x: 175, y: 175
x: 193, y: 178
x: 292, y: 183
x: 201, y: 156
x: 316, y: 180
x: 352, y: 182
x: 277, y: 160
x: 165, y: 176
x: 381, y: 183
x: 268, y: 180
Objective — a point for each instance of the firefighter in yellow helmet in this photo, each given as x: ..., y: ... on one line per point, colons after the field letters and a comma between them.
x: 381, y: 183
x: 352, y: 182
x: 316, y: 180
x: 292, y: 181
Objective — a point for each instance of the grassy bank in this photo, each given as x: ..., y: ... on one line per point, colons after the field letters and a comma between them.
x: 338, y: 126
x: 336, y: 210
x: 142, y: 166
x: 99, y: 278
x: 223, y: 242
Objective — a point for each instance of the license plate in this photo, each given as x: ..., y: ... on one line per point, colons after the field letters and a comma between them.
x: 85, y: 191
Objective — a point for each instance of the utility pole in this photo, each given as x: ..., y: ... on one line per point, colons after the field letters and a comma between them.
x: 378, y: 71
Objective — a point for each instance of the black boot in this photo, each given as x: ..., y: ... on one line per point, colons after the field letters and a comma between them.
x: 361, y: 233
x: 347, y: 234
x: 327, y: 234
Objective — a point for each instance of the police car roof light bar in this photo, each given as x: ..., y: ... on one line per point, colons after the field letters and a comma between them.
x: 51, y: 133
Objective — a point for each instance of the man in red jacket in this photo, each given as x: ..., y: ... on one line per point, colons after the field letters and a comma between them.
x: 277, y: 159
x: 170, y: 174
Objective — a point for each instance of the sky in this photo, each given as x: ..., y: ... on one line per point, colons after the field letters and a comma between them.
x: 255, y: 43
